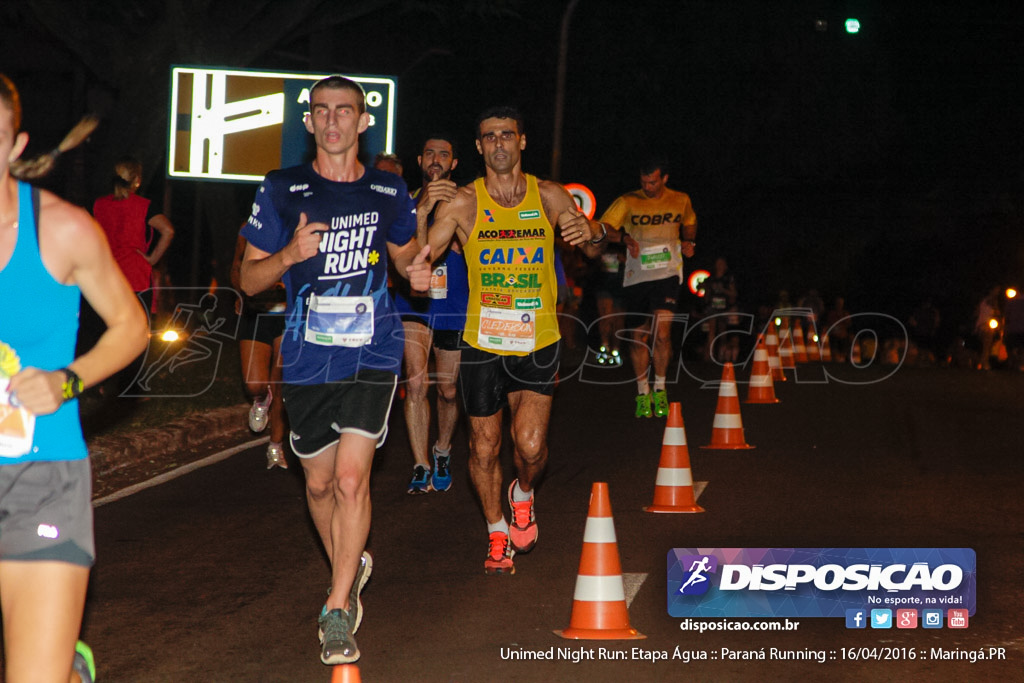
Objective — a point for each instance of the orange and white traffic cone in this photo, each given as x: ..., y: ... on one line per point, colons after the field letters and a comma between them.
x: 673, y: 487
x: 771, y: 341
x: 799, y: 351
x: 786, y: 349
x: 599, y: 604
x: 826, y: 349
x: 811, y: 343
x: 761, y: 388
x: 727, y: 429
x: 346, y: 673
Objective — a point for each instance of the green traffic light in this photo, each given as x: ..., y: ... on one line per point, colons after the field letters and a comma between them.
x: 852, y: 26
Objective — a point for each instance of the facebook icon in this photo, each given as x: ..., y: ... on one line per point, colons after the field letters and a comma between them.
x: 856, y: 618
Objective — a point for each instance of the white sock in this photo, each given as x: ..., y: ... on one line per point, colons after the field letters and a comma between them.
x: 518, y: 495
x: 659, y: 383
x: 446, y: 451
x: 501, y: 525
x: 642, y: 387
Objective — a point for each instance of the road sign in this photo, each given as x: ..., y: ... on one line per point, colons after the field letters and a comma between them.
x: 584, y: 198
x: 238, y: 124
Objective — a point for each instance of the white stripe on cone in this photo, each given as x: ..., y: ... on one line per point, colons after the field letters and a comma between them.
x: 727, y: 421
x: 674, y: 476
x: 599, y: 530
x: 599, y: 588
x: 674, y: 436
x: 728, y: 389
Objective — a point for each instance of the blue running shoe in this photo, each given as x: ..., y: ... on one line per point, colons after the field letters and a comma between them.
x: 441, y: 479
x: 420, y: 480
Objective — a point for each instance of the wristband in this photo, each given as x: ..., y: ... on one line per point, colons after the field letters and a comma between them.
x: 604, y: 233
x: 72, y: 386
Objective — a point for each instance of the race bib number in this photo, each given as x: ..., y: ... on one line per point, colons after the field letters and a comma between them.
x: 17, y: 426
x: 505, y: 330
x: 439, y: 282
x: 339, y: 320
x: 655, y: 258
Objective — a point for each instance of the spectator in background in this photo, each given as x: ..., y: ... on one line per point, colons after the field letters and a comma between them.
x: 988, y: 308
x: 129, y: 222
x: 719, y: 305
x: 812, y: 300
x: 388, y: 162
x: 837, y: 327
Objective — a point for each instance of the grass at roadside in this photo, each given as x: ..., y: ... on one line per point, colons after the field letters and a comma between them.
x: 186, y: 380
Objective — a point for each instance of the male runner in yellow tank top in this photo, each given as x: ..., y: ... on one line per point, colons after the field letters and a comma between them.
x: 506, y: 222
x: 659, y: 227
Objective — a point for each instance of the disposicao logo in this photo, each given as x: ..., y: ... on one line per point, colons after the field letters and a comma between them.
x: 817, y: 582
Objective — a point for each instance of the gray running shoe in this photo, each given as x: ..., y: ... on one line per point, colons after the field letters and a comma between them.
x: 259, y: 413
x: 354, y: 599
x: 362, y: 576
x: 337, y: 644
x: 275, y: 456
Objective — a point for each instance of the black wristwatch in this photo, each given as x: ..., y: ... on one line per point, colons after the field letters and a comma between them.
x: 72, y: 386
x: 604, y: 233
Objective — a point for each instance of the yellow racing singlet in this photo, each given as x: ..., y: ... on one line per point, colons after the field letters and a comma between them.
x: 512, y: 284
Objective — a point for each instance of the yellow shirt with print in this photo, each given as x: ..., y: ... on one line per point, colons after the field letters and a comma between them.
x: 512, y: 284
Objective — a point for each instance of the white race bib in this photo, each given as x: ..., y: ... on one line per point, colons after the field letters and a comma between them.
x: 655, y: 258
x: 339, y: 320
x: 502, y: 329
x: 17, y: 426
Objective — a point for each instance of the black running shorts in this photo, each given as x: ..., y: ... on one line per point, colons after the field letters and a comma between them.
x: 319, y: 413
x: 486, y: 379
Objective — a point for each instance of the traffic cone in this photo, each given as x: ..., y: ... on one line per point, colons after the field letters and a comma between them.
x: 761, y: 388
x: 599, y: 604
x: 727, y: 429
x: 345, y: 673
x: 813, y: 351
x: 673, y: 487
x: 799, y: 351
x: 826, y: 348
x: 771, y: 341
x: 786, y: 349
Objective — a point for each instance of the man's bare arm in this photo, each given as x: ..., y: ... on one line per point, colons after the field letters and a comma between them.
x: 452, y: 219
x: 575, y: 228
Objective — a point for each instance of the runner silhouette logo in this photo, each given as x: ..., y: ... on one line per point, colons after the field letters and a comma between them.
x: 696, y: 581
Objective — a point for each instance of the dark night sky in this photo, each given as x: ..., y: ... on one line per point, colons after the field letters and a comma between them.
x: 884, y: 165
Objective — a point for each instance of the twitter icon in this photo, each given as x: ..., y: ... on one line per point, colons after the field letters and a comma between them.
x: 881, y: 618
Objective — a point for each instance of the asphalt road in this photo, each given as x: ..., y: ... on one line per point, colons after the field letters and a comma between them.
x: 218, y: 575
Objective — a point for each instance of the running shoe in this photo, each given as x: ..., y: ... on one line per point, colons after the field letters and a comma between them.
x: 661, y: 403
x: 259, y: 413
x: 441, y: 479
x: 354, y: 596
x: 275, y: 456
x: 616, y: 357
x: 602, y: 356
x: 355, y: 593
x: 522, y: 532
x: 337, y: 643
x: 420, y: 480
x: 643, y: 405
x: 84, y: 664
x: 499, y: 554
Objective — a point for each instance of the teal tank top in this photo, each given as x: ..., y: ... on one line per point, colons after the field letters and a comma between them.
x: 39, y: 323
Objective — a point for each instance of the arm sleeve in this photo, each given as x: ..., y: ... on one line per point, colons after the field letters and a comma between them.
x: 264, y: 229
x: 404, y: 227
x: 615, y: 215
